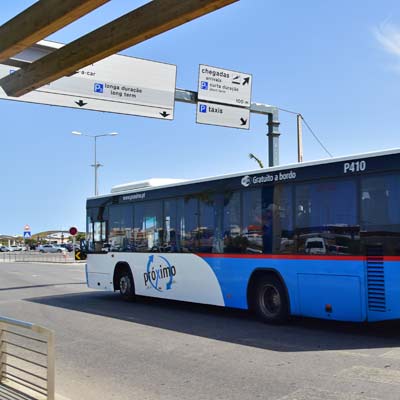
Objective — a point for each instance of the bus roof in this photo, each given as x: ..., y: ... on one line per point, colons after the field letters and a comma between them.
x: 149, y: 183
x: 157, y: 183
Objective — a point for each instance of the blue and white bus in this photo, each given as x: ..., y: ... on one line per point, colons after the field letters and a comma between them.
x: 318, y: 239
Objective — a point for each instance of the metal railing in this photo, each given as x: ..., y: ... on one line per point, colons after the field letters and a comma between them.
x: 35, y: 256
x: 27, y: 358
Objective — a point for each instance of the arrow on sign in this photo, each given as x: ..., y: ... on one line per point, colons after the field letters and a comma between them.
x: 235, y: 80
x: 164, y: 114
x: 246, y: 81
x: 80, y: 103
x: 243, y: 121
x: 80, y: 255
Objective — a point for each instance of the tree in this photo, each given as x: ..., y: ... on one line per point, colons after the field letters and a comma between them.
x: 80, y: 236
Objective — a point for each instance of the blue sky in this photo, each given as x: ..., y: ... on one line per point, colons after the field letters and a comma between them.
x: 338, y: 63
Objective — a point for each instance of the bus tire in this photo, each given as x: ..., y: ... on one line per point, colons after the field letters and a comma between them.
x: 270, y: 300
x: 126, y: 285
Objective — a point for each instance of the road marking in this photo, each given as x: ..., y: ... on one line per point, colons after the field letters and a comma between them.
x: 318, y: 394
x: 376, y: 375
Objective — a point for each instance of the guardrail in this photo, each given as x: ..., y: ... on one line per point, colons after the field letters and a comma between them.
x: 35, y: 256
x: 27, y: 358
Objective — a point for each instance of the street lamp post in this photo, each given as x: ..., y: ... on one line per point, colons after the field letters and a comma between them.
x: 96, y: 165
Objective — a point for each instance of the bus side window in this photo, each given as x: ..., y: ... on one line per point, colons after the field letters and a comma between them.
x: 120, y: 223
x: 98, y: 236
x: 326, y: 217
x: 95, y: 229
x: 148, y: 227
x: 252, y: 230
x: 380, y: 212
x: 171, y: 239
x: 188, y: 217
x: 207, y: 232
x: 233, y: 240
x: 282, y: 208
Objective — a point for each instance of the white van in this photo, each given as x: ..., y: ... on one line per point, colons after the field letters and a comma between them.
x: 315, y: 245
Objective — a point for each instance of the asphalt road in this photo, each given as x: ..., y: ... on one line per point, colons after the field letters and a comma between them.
x: 152, y: 349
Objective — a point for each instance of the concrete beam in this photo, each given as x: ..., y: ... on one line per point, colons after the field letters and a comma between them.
x: 40, y: 20
x: 141, y: 24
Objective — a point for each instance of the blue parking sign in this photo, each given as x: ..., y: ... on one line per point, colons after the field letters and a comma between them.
x: 98, y: 88
x: 204, y: 85
x: 202, y: 108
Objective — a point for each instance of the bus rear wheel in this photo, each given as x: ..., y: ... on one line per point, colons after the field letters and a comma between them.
x: 270, y: 301
x: 126, y: 285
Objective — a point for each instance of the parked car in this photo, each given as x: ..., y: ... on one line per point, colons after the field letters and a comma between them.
x: 15, y: 248
x: 67, y: 246
x: 4, y: 249
x: 51, y: 248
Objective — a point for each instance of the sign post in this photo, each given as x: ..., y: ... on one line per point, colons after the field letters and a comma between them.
x: 27, y: 232
x: 73, y: 231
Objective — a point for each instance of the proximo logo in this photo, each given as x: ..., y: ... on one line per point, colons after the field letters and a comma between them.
x: 246, y: 181
x: 159, y: 273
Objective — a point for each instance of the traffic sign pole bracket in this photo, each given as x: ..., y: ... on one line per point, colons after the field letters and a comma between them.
x: 189, y: 96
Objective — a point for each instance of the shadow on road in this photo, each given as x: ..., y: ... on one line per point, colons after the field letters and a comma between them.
x: 230, y: 325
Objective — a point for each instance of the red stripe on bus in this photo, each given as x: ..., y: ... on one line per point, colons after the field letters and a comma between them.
x: 391, y: 258
x: 294, y: 257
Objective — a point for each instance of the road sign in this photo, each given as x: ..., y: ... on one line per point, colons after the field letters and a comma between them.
x: 80, y: 255
x: 117, y: 84
x: 73, y: 231
x: 27, y: 235
x: 222, y: 115
x: 224, y: 86
x: 27, y: 228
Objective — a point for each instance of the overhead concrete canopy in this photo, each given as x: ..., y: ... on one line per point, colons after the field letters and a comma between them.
x: 143, y: 23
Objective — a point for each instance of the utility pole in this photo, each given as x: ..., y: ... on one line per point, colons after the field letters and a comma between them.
x: 273, y: 137
x: 299, y: 138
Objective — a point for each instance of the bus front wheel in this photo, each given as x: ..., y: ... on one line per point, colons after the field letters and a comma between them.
x: 270, y: 300
x: 127, y: 285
